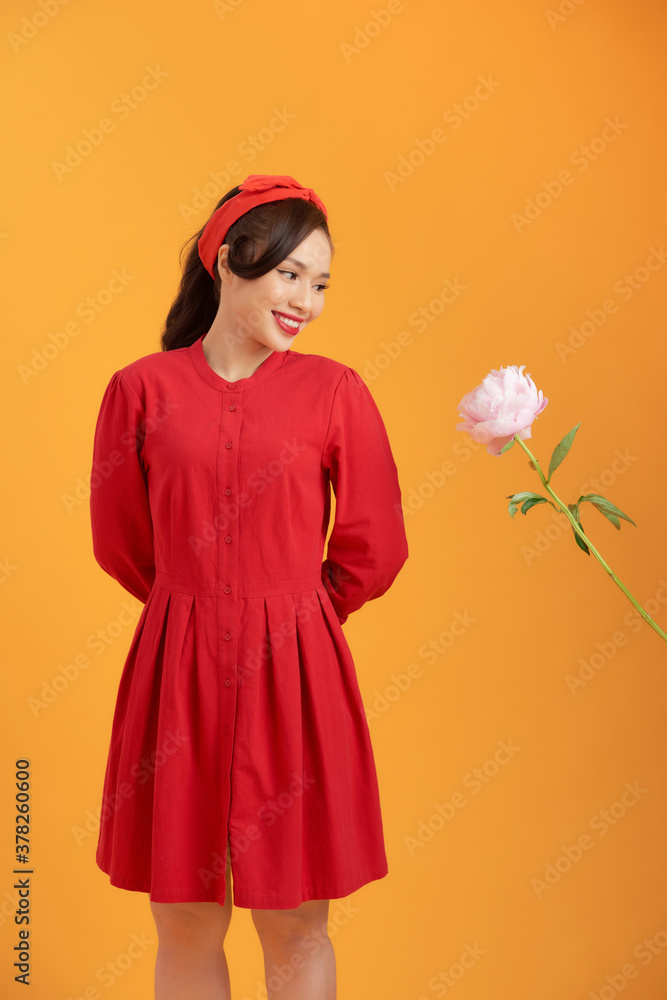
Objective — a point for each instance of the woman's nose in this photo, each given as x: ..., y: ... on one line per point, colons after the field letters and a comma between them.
x: 300, y: 297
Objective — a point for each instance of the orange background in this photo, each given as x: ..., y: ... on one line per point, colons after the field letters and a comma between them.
x: 365, y: 97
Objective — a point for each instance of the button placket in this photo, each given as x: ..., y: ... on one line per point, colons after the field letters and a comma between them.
x: 228, y: 557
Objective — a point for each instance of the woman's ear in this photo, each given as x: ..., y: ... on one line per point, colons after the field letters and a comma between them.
x: 222, y: 266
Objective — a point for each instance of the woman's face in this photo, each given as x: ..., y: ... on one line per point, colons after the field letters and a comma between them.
x: 260, y: 310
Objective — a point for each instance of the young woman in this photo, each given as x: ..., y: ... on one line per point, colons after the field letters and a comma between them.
x: 240, y: 752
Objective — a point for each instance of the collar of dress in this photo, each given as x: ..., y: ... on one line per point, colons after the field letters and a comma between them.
x: 269, y: 365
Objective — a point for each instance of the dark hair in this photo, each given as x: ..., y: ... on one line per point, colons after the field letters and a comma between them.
x: 258, y: 242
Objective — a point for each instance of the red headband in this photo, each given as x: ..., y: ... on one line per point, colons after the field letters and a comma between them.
x: 256, y: 189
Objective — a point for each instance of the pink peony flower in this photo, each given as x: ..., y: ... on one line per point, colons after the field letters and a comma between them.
x: 505, y: 404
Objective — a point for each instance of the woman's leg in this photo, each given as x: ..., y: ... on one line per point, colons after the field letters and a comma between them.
x: 299, y: 960
x: 191, y: 962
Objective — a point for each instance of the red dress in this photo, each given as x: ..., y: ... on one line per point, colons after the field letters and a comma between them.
x: 238, y: 713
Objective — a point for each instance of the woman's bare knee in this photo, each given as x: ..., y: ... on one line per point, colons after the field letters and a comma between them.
x: 293, y: 925
x: 190, y: 921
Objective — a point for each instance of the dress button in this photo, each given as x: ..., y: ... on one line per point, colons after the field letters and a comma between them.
x: 228, y: 492
x: 231, y: 385
x: 228, y: 590
x: 227, y: 682
x: 228, y: 538
x: 227, y: 635
x: 228, y: 444
x: 226, y: 729
x: 233, y: 406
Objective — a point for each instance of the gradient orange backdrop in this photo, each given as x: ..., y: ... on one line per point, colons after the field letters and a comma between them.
x: 494, y: 174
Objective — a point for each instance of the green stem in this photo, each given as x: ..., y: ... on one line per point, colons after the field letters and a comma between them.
x: 565, y: 509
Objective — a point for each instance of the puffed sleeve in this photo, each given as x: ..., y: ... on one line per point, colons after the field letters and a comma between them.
x: 119, y: 509
x: 368, y: 545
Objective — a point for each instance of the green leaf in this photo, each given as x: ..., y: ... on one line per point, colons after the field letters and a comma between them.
x: 580, y: 542
x: 512, y: 506
x: 574, y: 510
x: 507, y: 446
x: 561, y: 450
x: 520, y: 497
x: 606, y: 507
x: 527, y: 504
x: 526, y: 500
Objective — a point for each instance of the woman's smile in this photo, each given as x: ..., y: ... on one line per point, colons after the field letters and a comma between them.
x: 286, y: 322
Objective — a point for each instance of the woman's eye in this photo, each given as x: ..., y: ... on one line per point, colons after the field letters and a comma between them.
x: 294, y: 274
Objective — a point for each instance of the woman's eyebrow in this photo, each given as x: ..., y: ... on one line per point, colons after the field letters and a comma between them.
x: 299, y: 263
